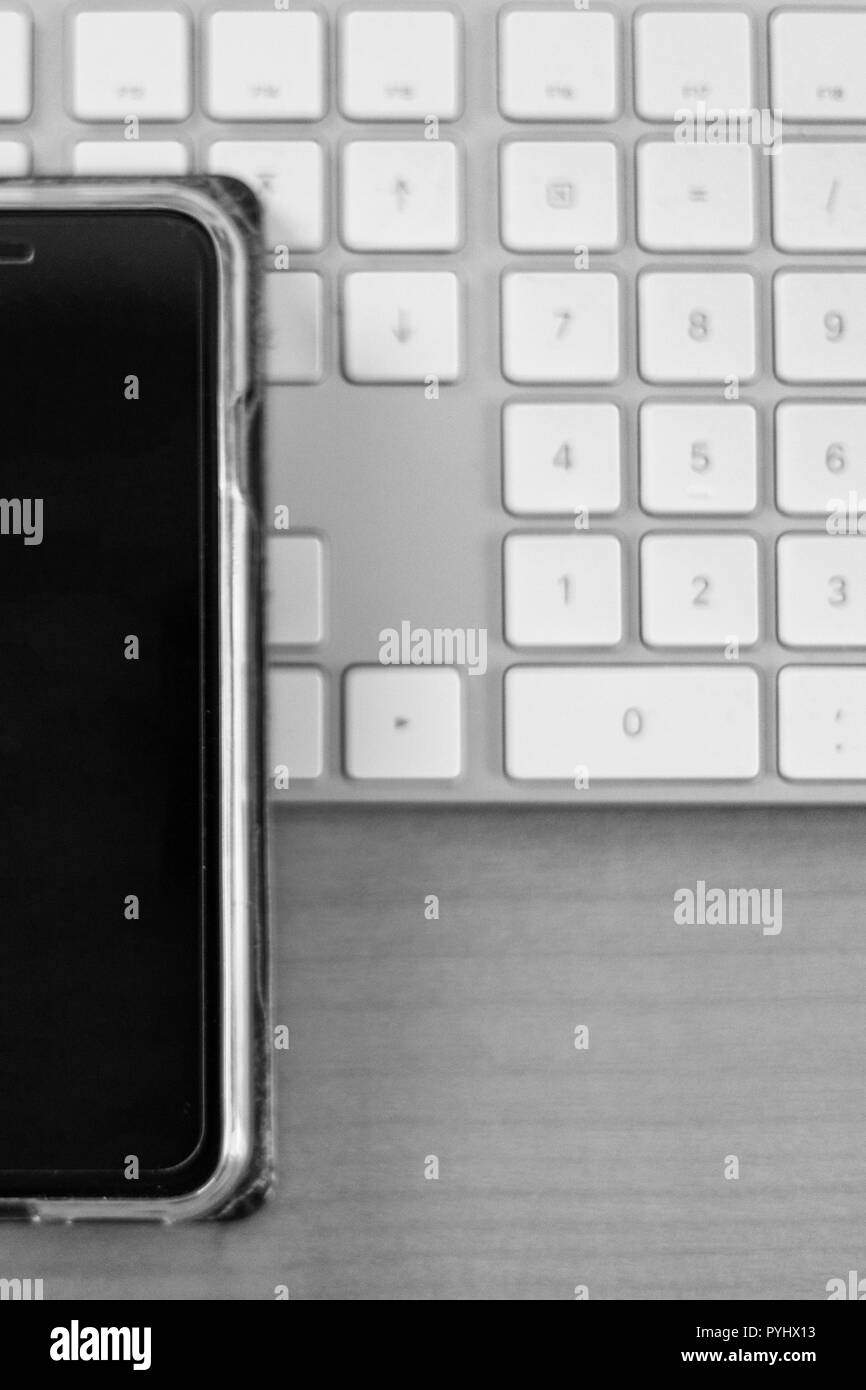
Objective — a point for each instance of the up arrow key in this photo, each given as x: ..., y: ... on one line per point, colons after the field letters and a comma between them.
x: 403, y: 327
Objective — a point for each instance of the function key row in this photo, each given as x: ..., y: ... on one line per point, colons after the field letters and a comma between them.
x: 257, y: 65
x: 401, y: 64
x: 575, y: 724
x: 556, y: 65
x: 568, y: 328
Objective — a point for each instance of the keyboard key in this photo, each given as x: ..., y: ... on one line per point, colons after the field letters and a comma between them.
x: 822, y: 591
x: 132, y: 63
x: 822, y: 723
x: 559, y: 66
x: 296, y: 724
x: 147, y: 158
x: 699, y: 459
x: 560, y: 459
x: 399, y: 65
x: 289, y: 177
x: 560, y: 195
x: 696, y: 327
x: 14, y: 159
x: 401, y: 326
x: 563, y: 591
x: 817, y: 64
x: 820, y: 455
x: 16, y: 66
x: 695, y: 197
x: 685, y: 723
x: 403, y: 723
x: 699, y: 591
x: 686, y: 60
x: 294, y: 326
x: 401, y: 195
x: 265, y: 66
x: 819, y: 196
x: 295, y: 590
x: 561, y: 327
x: 821, y: 326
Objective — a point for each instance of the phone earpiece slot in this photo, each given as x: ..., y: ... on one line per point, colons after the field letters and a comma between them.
x: 16, y: 253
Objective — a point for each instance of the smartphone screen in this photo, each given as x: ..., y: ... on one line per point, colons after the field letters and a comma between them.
x: 109, y: 757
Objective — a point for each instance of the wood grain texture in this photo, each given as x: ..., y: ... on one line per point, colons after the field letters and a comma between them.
x: 455, y: 1038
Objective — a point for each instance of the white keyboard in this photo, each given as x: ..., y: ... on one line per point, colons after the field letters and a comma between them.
x: 566, y: 353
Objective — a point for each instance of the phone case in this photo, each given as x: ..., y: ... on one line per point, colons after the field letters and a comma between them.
x: 227, y: 210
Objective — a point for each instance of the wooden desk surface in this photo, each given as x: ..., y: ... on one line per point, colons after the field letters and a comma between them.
x: 455, y: 1038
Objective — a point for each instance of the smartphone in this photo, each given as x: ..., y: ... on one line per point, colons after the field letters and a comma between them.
x: 133, y: 1064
